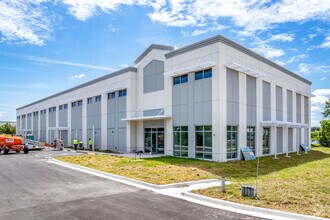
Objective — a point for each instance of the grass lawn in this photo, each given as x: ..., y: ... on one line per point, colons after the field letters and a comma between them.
x: 298, y: 184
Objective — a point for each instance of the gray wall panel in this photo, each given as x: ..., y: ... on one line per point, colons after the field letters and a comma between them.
x: 306, y: 109
x: 29, y: 121
x: 97, y: 137
x: 94, y: 115
x: 298, y: 137
x: 266, y: 101
x: 117, y: 110
x: 153, y: 112
x: 23, y: 121
x: 153, y: 78
x: 298, y: 108
x: 290, y: 139
x: 251, y: 101
x: 279, y: 140
x: 63, y: 118
x: 289, y: 106
x: 279, y: 103
x: 52, y: 118
x: 76, y: 117
x: 232, y: 97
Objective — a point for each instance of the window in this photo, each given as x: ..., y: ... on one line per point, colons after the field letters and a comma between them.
x: 266, y: 141
x: 199, y: 75
x: 208, y: 73
x: 184, y: 78
x: 97, y: 98
x: 112, y: 95
x: 203, y: 137
x: 65, y: 106
x: 176, y: 80
x: 250, y: 138
x: 180, y: 148
x: 89, y: 100
x: 73, y: 104
x: 203, y: 74
x: 232, y: 142
x: 180, y: 79
x: 61, y: 107
x: 50, y: 109
x: 54, y: 109
x: 79, y: 103
x: 122, y: 93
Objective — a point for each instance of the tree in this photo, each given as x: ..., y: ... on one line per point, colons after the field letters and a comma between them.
x: 326, y: 112
x: 7, y: 129
x: 325, y: 133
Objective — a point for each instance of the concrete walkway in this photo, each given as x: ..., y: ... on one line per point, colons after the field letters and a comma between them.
x: 128, y: 155
x: 182, y: 191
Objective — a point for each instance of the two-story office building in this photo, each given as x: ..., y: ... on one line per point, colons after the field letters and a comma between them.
x: 206, y: 100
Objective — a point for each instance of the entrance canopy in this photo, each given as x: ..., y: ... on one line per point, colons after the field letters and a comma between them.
x: 284, y: 124
x: 58, y: 128
x: 147, y: 118
x: 137, y: 116
x: 188, y: 69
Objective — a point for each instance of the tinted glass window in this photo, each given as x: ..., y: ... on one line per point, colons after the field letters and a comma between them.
x: 176, y: 80
x: 184, y: 78
x: 199, y: 75
x: 208, y: 73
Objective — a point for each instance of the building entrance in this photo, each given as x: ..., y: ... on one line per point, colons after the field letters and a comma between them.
x: 154, y: 140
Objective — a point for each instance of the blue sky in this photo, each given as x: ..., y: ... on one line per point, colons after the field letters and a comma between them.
x: 48, y: 46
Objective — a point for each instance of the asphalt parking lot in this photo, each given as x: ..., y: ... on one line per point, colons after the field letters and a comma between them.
x: 31, y: 188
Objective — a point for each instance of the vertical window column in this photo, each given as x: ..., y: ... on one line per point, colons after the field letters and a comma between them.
x: 203, y: 148
x: 250, y: 138
x: 266, y: 141
x: 180, y: 135
x: 232, y: 142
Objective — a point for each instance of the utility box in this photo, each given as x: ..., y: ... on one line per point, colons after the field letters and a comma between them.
x: 249, y: 191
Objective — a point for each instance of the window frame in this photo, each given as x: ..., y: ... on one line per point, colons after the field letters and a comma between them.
x: 180, y: 130
x: 98, y: 98
x: 251, y: 132
x: 207, y: 151
x: 266, y: 149
x: 231, y: 130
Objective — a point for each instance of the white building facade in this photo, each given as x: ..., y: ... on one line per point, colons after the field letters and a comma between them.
x: 207, y: 100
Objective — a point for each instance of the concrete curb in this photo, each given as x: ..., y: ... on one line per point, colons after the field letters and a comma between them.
x: 248, y: 208
x: 150, y: 185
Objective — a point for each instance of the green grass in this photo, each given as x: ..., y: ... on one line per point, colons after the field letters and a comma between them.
x: 298, y: 184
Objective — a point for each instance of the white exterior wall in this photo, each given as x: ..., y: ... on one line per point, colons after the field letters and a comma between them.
x: 218, y: 53
x: 99, y: 88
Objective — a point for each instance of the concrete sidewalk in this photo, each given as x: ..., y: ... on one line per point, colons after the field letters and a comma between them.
x: 182, y: 191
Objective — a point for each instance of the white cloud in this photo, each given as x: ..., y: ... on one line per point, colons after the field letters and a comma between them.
x: 197, y: 32
x: 317, y: 105
x: 282, y: 37
x: 311, y: 36
x: 305, y: 68
x: 268, y: 51
x: 326, y: 43
x: 323, y: 78
x: 44, y: 60
x: 78, y: 76
x: 250, y: 15
x: 26, y: 86
x: 85, y: 9
x: 31, y: 21
x: 124, y: 65
x: 25, y: 21
x: 322, y: 92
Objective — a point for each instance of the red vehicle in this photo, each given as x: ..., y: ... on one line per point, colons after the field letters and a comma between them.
x: 11, y: 143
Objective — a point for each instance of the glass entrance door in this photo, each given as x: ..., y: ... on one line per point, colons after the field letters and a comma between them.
x: 154, y: 140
